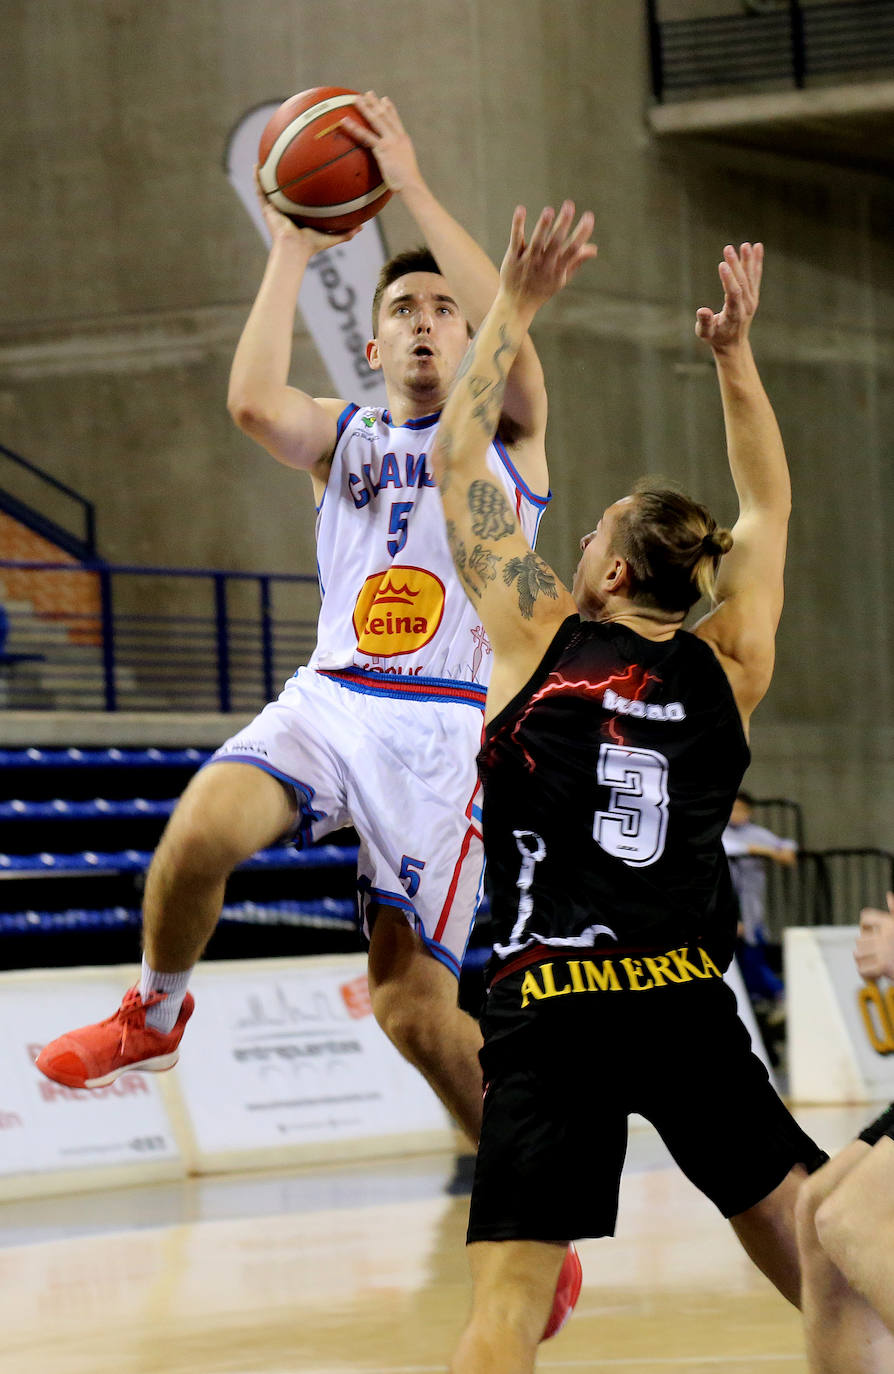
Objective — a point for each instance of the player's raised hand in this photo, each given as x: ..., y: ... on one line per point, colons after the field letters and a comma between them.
x: 282, y: 228
x: 387, y: 140
x: 874, y: 951
x: 740, y: 276
x: 535, y: 271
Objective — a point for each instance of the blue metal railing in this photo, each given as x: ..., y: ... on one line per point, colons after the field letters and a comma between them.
x: 209, y: 640
x: 81, y: 545
x: 786, y: 45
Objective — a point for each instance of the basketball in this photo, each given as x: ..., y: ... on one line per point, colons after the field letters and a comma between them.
x: 312, y: 170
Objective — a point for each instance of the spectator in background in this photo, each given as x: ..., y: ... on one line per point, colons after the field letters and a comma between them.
x: 749, y: 845
x: 846, y: 1222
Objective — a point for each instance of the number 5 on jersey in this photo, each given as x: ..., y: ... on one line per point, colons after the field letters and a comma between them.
x: 633, y: 828
x: 400, y: 513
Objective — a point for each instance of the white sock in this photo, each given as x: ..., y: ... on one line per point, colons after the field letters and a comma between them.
x: 162, y: 1016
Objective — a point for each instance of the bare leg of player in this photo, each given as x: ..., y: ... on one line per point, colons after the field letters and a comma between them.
x: 514, y: 1282
x: 414, y: 1001
x: 227, y: 813
x: 843, y: 1333
x: 768, y: 1233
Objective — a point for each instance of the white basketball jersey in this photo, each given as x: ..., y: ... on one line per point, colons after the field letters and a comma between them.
x: 392, y: 602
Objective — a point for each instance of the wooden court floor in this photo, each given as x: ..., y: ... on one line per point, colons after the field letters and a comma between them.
x: 362, y: 1268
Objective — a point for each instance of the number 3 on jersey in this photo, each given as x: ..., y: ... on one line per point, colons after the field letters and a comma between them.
x: 634, y: 826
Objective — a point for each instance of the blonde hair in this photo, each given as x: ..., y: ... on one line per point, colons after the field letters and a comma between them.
x: 672, y: 546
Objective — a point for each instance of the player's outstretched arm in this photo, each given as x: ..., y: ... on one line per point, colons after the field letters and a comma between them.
x: 472, y: 276
x: 295, y: 428
x: 742, y: 628
x: 518, y: 596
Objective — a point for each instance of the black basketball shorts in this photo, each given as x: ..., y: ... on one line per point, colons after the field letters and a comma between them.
x: 560, y: 1086
x: 883, y: 1125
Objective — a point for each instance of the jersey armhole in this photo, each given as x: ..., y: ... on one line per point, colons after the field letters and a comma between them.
x: 345, y: 419
x: 543, y: 669
x: 539, y: 502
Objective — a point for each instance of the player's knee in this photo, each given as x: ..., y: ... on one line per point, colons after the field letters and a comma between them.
x: 194, y: 848
x: 511, y: 1310
x: 837, y: 1229
x: 401, y: 1013
x: 810, y: 1197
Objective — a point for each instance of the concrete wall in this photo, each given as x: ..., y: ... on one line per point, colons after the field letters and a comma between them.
x: 129, y: 266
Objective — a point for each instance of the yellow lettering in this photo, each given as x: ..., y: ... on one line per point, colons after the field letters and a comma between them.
x: 686, y: 970
x: 662, y: 966
x: 577, y: 983
x: 658, y: 967
x: 530, y: 988
x: 710, y: 967
x: 601, y: 979
x: 634, y: 971
x: 549, y: 986
x: 870, y: 999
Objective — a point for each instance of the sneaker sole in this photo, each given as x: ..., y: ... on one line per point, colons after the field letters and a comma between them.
x: 156, y: 1065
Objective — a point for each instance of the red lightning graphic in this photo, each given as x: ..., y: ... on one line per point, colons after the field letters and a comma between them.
x: 625, y: 684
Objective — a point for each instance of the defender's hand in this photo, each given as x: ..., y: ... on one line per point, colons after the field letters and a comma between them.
x: 536, y: 271
x: 740, y: 275
x: 388, y: 140
x: 874, y: 951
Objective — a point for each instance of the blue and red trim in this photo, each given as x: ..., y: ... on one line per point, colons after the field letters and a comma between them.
x: 407, y: 688
x: 519, y: 482
x: 473, y: 832
x: 302, y: 835
x: 345, y: 419
x: 366, y: 893
x: 424, y: 421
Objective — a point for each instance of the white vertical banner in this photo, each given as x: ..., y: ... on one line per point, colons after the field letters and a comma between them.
x: 336, y: 297
x: 840, y: 1029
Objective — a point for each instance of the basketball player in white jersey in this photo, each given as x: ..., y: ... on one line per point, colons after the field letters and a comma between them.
x: 382, y: 729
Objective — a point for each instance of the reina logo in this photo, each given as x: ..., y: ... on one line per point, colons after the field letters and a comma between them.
x: 398, y: 611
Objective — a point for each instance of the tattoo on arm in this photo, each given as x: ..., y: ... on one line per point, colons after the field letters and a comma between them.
x: 488, y: 391
x: 492, y: 516
x: 475, y: 569
x: 457, y: 547
x: 534, y: 577
x: 484, y: 563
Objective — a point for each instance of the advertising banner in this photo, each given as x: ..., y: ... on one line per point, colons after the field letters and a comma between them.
x: 840, y: 1029
x: 283, y: 1060
x: 56, y: 1138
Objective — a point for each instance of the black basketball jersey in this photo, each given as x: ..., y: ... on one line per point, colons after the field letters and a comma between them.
x: 608, y: 781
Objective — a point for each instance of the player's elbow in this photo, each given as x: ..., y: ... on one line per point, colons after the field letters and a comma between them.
x: 249, y: 414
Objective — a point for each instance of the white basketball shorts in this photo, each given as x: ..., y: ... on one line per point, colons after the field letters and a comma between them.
x: 395, y: 758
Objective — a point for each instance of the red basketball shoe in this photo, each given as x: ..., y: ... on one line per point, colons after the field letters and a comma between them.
x: 567, y: 1293
x: 93, y: 1056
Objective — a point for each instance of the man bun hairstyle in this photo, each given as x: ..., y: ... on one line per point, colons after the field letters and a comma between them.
x: 411, y: 260
x: 672, y: 546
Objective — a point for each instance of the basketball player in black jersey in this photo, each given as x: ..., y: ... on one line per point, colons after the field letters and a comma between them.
x: 614, y: 747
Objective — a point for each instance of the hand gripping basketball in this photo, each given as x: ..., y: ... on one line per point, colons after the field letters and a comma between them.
x: 311, y: 169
